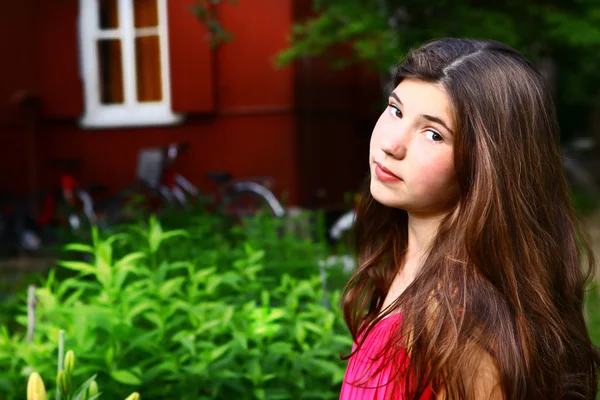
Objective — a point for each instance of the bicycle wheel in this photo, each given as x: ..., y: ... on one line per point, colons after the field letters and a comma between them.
x: 134, y: 203
x: 247, y: 199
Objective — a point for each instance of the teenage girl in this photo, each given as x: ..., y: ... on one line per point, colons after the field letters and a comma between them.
x: 472, y: 264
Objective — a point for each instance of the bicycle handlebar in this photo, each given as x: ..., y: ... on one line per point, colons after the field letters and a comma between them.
x: 174, y: 149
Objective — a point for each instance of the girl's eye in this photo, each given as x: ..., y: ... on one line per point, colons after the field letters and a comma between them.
x: 434, y: 136
x: 395, y: 111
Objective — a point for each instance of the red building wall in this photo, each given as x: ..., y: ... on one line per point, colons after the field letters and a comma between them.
x: 307, y: 126
x: 17, y: 75
x: 239, y: 107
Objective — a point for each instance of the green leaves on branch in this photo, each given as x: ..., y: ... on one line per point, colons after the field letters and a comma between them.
x: 205, y: 11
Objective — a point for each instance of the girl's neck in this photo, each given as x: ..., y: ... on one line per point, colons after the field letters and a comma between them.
x: 421, y: 231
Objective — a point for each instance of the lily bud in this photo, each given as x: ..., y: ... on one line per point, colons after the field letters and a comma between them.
x: 133, y: 396
x: 35, y: 387
x: 69, y: 362
x: 63, y: 382
x: 93, y: 389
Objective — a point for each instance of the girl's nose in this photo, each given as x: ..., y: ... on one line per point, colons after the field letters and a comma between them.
x: 395, y: 145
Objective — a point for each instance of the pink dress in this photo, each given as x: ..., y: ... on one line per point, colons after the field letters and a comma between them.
x: 363, y: 363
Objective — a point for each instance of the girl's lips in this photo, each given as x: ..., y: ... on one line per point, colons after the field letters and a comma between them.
x: 384, y: 174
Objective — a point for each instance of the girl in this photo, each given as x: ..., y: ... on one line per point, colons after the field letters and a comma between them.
x: 472, y: 265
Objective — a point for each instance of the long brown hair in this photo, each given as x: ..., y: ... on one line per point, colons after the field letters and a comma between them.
x: 507, y: 270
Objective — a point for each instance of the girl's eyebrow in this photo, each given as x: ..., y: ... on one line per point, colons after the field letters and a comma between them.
x: 427, y: 117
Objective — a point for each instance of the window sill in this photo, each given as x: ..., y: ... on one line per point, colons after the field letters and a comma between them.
x: 123, y: 116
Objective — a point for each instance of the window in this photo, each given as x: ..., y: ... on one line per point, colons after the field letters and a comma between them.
x: 125, y: 63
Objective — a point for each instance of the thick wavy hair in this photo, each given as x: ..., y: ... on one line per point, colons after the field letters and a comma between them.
x: 507, y: 271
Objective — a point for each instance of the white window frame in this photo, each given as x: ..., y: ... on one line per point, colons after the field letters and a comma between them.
x: 131, y: 112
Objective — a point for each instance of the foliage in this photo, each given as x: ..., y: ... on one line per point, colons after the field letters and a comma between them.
x: 206, y: 13
x: 380, y: 32
x: 203, y: 313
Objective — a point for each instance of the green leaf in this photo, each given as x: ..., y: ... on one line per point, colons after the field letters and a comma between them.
x: 109, y: 357
x: 171, y: 287
x: 79, y: 247
x: 282, y: 348
x: 314, y: 328
x: 147, y: 341
x: 155, y: 235
x: 208, y: 326
x: 73, y: 298
x: 140, y: 308
x: 180, y: 265
x: 78, y: 266
x: 73, y: 284
x: 321, y: 367
x: 218, y: 352
x: 187, y: 341
x: 126, y: 377
x: 274, y: 315
x: 259, y: 393
x: 155, y: 319
x: 241, y: 339
x: 228, y: 315
x: 121, y: 275
x: 174, y: 233
x: 203, y: 274
x: 300, y: 333
x: 130, y: 258
x: 103, y: 265
x: 82, y: 390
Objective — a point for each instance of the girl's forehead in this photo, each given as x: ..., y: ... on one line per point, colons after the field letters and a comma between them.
x: 419, y: 97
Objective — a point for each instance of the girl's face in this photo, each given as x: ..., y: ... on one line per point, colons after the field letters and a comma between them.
x: 411, y: 157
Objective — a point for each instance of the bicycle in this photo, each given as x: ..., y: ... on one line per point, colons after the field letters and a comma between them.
x: 159, y: 185
x: 243, y: 198
x: 30, y: 222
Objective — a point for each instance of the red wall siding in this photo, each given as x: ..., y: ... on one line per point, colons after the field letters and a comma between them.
x: 17, y: 48
x: 244, y: 146
x: 192, y: 61
x: 17, y: 77
x: 251, y: 81
x: 249, y: 131
x: 57, y: 58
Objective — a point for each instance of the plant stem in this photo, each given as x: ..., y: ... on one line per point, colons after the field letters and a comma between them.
x: 30, y: 313
x: 61, y: 357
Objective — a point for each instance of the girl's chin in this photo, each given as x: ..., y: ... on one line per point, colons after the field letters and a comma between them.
x: 387, y: 197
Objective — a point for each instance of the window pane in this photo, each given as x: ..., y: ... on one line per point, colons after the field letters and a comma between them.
x: 149, y: 87
x: 145, y: 13
x: 109, y: 16
x: 111, y: 71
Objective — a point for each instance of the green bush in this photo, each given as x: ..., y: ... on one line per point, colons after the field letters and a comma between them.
x: 203, y: 313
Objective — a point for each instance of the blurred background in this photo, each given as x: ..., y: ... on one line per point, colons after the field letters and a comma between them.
x: 244, y: 126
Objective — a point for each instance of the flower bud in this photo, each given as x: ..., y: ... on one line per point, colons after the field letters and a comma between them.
x: 93, y: 389
x: 63, y: 382
x: 69, y: 362
x: 133, y: 396
x: 35, y: 387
